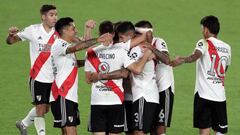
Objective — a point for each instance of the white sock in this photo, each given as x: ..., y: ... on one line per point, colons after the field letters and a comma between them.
x: 39, y: 123
x: 28, y: 120
x: 163, y: 134
x: 219, y: 133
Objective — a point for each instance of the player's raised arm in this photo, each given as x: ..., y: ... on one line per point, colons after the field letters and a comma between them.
x: 12, y: 36
x: 105, y: 39
x: 89, y: 26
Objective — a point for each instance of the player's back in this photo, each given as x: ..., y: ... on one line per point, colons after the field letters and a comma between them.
x: 211, y: 68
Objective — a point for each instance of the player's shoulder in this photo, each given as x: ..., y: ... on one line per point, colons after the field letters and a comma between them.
x: 201, y: 42
x: 158, y: 39
x: 34, y: 26
x: 226, y: 45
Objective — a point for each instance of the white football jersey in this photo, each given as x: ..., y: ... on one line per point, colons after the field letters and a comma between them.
x: 63, y: 65
x: 112, y: 58
x: 164, y: 72
x: 144, y: 84
x: 208, y: 82
x: 38, y: 38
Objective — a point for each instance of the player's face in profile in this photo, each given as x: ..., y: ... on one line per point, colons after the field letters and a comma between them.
x: 204, y: 31
x: 124, y: 37
x: 71, y: 31
x: 50, y: 18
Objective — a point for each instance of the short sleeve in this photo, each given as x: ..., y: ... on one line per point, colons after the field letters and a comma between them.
x: 135, y: 53
x: 201, y: 45
x: 88, y: 67
x: 26, y: 34
x: 126, y: 59
x: 161, y: 45
x: 125, y: 45
x: 229, y: 58
x: 60, y: 47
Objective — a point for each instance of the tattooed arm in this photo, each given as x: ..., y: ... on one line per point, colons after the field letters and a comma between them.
x: 117, y: 74
x: 163, y: 56
x: 105, y: 39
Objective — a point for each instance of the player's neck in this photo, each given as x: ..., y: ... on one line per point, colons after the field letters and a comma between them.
x: 47, y: 28
x: 68, y: 39
x: 211, y: 35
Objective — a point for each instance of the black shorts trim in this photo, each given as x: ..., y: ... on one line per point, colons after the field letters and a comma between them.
x: 165, y: 107
x: 209, y: 113
x: 128, y: 116
x: 106, y: 118
x: 65, y: 112
x: 40, y: 91
x: 143, y: 114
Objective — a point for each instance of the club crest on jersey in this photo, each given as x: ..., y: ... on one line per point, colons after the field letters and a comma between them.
x: 39, y: 97
x: 103, y: 67
x: 70, y: 119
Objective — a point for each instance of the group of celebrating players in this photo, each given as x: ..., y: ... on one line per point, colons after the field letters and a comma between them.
x: 130, y: 72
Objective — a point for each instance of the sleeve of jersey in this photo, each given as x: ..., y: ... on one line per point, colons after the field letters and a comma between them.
x: 161, y: 45
x: 201, y: 46
x: 229, y: 59
x: 63, y: 48
x: 25, y: 34
x: 126, y: 59
x: 87, y: 66
x: 135, y: 53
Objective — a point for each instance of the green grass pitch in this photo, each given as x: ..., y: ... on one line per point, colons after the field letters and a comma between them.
x: 177, y: 21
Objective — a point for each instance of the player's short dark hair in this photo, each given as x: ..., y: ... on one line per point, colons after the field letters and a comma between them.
x: 106, y: 27
x: 143, y: 24
x: 116, y: 37
x: 45, y: 8
x: 212, y: 23
x: 124, y: 27
x: 62, y: 23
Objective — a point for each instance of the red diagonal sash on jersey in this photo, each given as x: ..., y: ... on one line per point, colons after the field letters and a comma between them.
x: 94, y: 60
x: 66, y: 85
x: 213, y: 51
x: 42, y: 57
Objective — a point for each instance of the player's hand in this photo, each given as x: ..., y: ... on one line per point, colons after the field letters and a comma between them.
x: 177, y: 61
x: 106, y: 39
x: 94, y: 77
x: 147, y: 53
x: 91, y: 24
x: 149, y: 37
x: 12, y: 31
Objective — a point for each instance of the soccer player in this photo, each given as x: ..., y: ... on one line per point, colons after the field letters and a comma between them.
x: 40, y: 38
x: 212, y: 57
x: 64, y: 98
x: 165, y: 79
x: 107, y: 111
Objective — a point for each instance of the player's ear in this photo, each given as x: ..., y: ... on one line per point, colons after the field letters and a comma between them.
x: 43, y: 17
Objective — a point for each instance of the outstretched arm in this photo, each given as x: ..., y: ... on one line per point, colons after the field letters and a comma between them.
x: 12, y: 36
x: 189, y: 59
x: 105, y: 39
